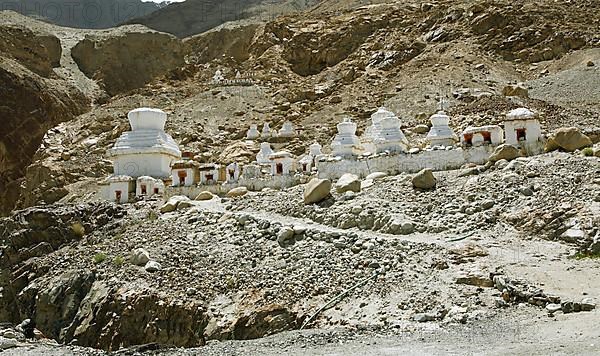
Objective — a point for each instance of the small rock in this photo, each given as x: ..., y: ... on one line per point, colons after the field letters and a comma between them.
x: 526, y: 191
x: 423, y: 317
x: 376, y: 175
x: 505, y: 151
x: 567, y: 307
x: 424, y: 179
x: 421, y: 129
x: 139, y: 257
x: 7, y: 343
x: 516, y: 90
x: 172, y: 203
x: 553, y: 308
x: 285, y: 235
x: 588, y: 304
x: 348, y: 182
x: 590, y: 64
x: 10, y: 334
x: 475, y: 278
x: 152, y: 266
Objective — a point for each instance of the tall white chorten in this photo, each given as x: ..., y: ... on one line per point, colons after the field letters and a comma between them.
x: 345, y: 143
x: 385, y: 133
x: 441, y: 134
x: 262, y: 157
x: 146, y: 150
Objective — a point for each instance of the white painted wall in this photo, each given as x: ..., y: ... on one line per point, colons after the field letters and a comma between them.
x: 436, y: 160
x: 189, y: 178
x: 143, y: 164
x: 124, y: 187
x: 254, y: 184
x: 532, y: 127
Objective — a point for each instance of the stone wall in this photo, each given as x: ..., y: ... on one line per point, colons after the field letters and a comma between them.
x: 437, y: 160
x: 254, y: 184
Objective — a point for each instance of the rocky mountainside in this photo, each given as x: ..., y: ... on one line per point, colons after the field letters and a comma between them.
x: 50, y: 75
x: 196, y: 16
x: 82, y: 14
x: 316, y: 67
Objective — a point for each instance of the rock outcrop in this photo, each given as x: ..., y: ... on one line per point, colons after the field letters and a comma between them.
x: 128, y: 57
x: 30, y: 106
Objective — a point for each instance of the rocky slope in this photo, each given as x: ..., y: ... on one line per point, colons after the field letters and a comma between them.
x: 317, y: 67
x: 248, y: 267
x: 196, y: 16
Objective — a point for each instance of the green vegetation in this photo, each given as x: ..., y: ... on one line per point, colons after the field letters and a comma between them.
x: 119, y: 261
x: 583, y: 255
x: 99, y: 257
x: 588, y: 152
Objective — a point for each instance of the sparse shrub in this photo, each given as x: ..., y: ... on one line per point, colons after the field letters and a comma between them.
x: 78, y: 229
x: 588, y: 152
x: 119, y: 261
x: 99, y: 257
x: 152, y: 216
x: 230, y: 282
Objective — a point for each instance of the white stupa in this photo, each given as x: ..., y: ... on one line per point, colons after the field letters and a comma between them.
x: 345, y: 143
x: 252, y: 133
x: 308, y: 161
x: 287, y: 130
x: 263, y: 155
x: 441, y: 134
x: 266, y: 130
x: 146, y: 150
x: 385, y: 133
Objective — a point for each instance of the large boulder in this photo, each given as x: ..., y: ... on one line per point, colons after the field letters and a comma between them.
x: 424, y: 179
x: 348, y: 182
x: 173, y: 203
x: 237, y: 192
x: 205, y: 195
x: 569, y: 139
x: 127, y: 58
x: 505, y: 151
x: 316, y: 190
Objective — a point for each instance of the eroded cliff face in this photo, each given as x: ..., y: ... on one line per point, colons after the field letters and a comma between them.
x: 30, y: 105
x: 127, y: 58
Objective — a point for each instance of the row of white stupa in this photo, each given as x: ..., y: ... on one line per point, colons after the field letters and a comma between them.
x: 287, y: 130
x: 147, y: 154
x: 385, y: 133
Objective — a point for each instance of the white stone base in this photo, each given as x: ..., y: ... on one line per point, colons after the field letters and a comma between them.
x: 437, y: 160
